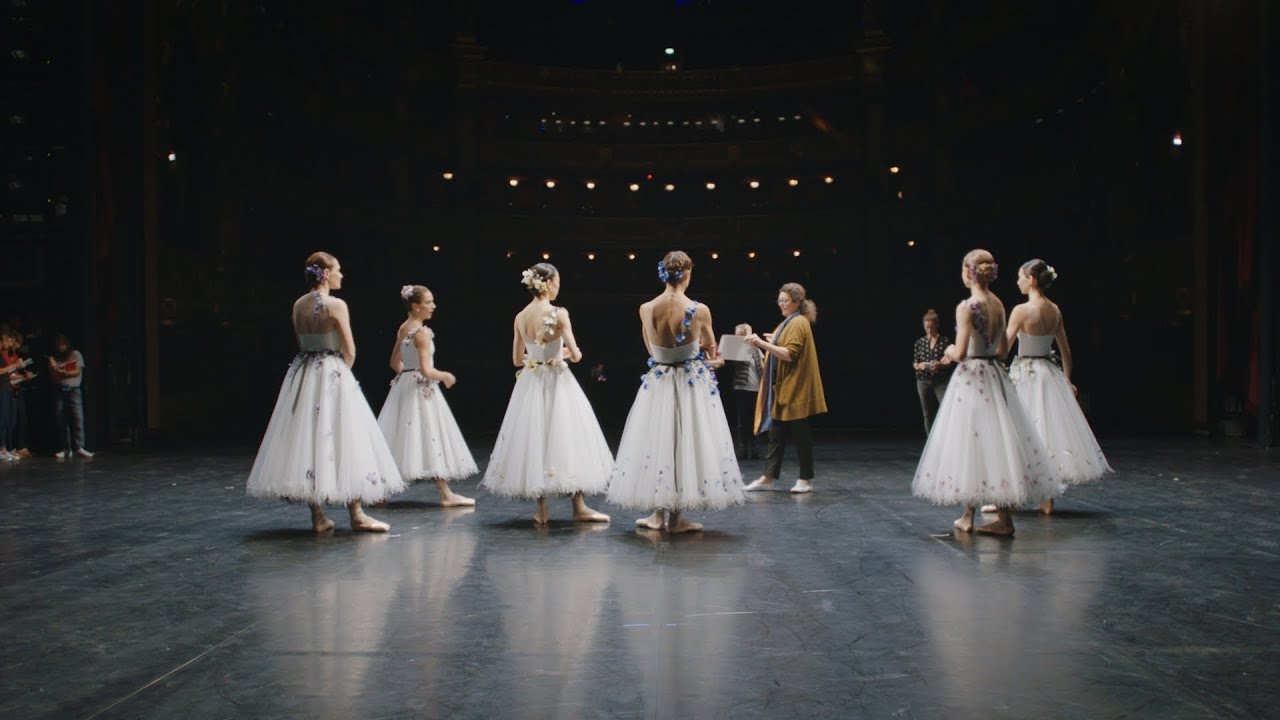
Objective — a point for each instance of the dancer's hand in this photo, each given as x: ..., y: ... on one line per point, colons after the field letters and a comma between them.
x: 447, y: 379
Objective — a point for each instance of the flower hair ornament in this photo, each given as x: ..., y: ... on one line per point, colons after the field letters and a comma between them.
x: 406, y: 292
x: 984, y: 277
x: 530, y: 280
x: 665, y: 276
x: 1053, y: 274
x: 315, y: 272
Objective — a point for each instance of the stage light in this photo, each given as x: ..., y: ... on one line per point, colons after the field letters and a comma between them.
x: 911, y: 243
x: 669, y: 187
x: 648, y: 176
x: 631, y: 256
x: 715, y: 256
x: 513, y: 182
x: 828, y: 179
x: 173, y: 157
x: 711, y: 186
x: 446, y: 175
x: 742, y: 121
x: 754, y: 184
x: 633, y: 187
x: 1177, y: 139
x: 643, y: 123
x: 591, y: 256
x: 546, y: 256
x: 686, y: 122
x: 793, y: 182
x: 670, y: 51
x: 893, y: 170
x: 671, y: 122
x: 435, y: 248
x: 510, y: 253
x: 797, y: 117
x: 755, y: 119
x: 752, y: 254
x: 626, y: 123
x: 795, y: 253
x: 591, y: 184
x: 551, y: 184
x: 781, y: 119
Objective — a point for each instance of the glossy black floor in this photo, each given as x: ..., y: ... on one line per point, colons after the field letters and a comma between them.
x: 148, y: 585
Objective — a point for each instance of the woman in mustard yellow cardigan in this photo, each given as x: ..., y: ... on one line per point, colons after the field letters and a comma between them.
x: 790, y: 387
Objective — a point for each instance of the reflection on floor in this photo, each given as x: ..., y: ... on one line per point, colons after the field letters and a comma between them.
x: 150, y: 586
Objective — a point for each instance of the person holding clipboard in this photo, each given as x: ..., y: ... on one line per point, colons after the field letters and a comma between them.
x: 790, y: 389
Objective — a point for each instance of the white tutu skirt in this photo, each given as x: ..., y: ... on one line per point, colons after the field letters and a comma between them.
x: 550, y: 442
x: 425, y: 440
x: 983, y: 448
x: 676, y: 452
x: 323, y: 444
x: 1046, y: 395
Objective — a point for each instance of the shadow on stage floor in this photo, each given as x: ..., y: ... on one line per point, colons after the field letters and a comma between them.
x: 148, y: 585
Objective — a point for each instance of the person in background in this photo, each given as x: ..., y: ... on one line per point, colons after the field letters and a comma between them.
x: 19, y: 429
x: 746, y: 384
x: 933, y: 368
x: 66, y: 372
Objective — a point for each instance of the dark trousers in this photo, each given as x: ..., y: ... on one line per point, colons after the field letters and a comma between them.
x: 7, y: 415
x: 69, y: 406
x: 744, y: 416
x: 18, y: 435
x: 799, y: 432
x: 930, y: 400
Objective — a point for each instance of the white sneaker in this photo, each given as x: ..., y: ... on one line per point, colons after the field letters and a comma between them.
x: 84, y: 453
x: 7, y: 456
x: 61, y: 455
x: 759, y: 485
x: 801, y: 487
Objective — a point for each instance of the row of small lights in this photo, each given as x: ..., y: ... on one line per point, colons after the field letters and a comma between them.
x: 751, y: 254
x: 659, y: 123
x: 669, y: 187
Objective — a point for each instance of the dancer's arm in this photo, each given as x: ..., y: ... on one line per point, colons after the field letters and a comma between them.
x: 422, y: 343
x: 517, y: 345
x: 1011, y: 330
x: 1064, y: 347
x: 706, y: 336
x: 964, y: 326
x: 566, y: 332
x: 397, y: 364
x: 346, y: 342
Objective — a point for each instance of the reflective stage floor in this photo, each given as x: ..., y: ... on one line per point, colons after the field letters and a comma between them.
x: 149, y: 586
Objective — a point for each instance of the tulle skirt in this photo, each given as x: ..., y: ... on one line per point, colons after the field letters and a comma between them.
x: 323, y: 444
x: 1046, y: 395
x: 983, y: 448
x: 676, y: 451
x: 550, y: 442
x: 425, y: 440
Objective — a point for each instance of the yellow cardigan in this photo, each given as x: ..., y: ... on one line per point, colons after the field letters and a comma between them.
x: 797, y: 385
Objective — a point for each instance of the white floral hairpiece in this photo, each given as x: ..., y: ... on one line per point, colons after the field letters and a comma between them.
x: 531, y: 280
x: 406, y: 292
x: 1052, y: 273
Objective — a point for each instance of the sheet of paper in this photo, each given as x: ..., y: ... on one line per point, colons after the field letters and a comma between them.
x: 735, y: 347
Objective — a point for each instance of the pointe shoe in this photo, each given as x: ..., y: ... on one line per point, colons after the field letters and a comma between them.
x: 84, y: 453
x: 801, y: 487
x: 759, y: 485
x: 988, y: 509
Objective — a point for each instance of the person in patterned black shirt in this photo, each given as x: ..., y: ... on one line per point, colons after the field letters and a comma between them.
x: 933, y: 368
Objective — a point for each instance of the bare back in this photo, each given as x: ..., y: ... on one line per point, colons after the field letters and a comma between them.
x: 531, y: 322
x: 312, y: 315
x: 1036, y: 317
x: 662, y: 322
x: 320, y: 314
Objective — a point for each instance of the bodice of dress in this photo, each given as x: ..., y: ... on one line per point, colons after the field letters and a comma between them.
x: 674, y: 355
x: 409, y: 351
x: 983, y: 342
x: 544, y: 353
x: 980, y: 348
x: 318, y: 342
x: 1034, y: 345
